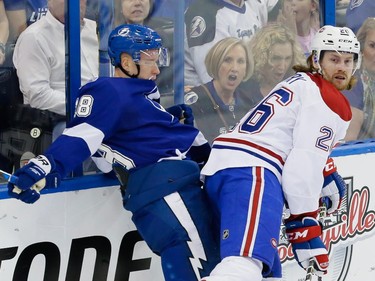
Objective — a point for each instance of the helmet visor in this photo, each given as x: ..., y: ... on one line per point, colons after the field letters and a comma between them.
x: 159, y: 57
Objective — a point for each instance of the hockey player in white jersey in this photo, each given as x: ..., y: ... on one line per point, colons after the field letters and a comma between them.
x: 156, y: 156
x: 275, y: 156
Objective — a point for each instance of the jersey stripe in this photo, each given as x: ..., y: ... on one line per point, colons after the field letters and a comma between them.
x: 258, y: 151
x: 254, y: 212
x: 253, y: 145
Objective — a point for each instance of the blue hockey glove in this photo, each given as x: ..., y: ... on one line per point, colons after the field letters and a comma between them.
x: 333, y: 187
x: 304, y: 236
x: 32, y: 178
x: 182, y: 112
x: 28, y: 196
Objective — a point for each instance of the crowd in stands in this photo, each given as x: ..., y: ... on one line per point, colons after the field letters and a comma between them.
x: 220, y: 103
x: 235, y: 52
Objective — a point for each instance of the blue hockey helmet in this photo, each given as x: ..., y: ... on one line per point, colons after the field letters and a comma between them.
x: 132, y: 39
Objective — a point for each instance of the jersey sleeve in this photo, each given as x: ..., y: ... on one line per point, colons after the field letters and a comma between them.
x: 200, y: 149
x: 95, y: 119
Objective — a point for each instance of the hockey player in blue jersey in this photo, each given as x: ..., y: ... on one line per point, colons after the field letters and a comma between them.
x: 156, y: 156
x: 279, y: 154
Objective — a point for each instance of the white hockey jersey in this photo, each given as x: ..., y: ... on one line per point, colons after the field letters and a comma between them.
x: 207, y: 22
x: 290, y: 132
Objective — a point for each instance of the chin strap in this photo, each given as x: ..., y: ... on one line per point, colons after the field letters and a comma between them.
x: 127, y: 72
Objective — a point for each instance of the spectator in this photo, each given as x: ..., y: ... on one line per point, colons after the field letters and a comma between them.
x: 362, y: 96
x: 129, y: 11
x: 357, y: 12
x: 302, y: 17
x: 138, y: 12
x: 22, y: 13
x: 4, y: 31
x: 39, y: 58
x: 276, y: 155
x: 220, y: 104
x: 275, y: 51
x: 209, y: 21
x: 155, y: 157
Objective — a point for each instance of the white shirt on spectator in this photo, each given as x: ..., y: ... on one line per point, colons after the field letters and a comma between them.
x: 39, y: 57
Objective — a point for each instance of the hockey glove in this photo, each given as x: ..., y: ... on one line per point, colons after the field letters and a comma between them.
x: 333, y: 187
x: 182, y: 112
x: 32, y: 178
x: 304, y: 236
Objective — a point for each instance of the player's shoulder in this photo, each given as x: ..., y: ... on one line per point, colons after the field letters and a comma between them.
x: 99, y: 87
x: 298, y: 82
x: 108, y: 87
x: 332, y: 97
x: 98, y: 81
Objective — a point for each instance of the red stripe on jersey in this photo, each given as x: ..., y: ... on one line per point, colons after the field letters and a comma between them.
x: 256, y: 200
x: 253, y: 145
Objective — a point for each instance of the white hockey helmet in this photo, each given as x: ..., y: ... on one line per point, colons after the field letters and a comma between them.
x: 338, y: 39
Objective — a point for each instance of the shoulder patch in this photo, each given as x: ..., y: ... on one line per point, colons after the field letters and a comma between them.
x: 198, y: 26
x: 200, y: 22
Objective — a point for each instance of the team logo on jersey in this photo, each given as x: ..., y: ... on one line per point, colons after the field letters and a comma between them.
x: 356, y: 3
x: 198, y: 26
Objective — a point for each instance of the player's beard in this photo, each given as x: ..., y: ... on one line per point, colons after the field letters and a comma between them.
x: 335, y: 82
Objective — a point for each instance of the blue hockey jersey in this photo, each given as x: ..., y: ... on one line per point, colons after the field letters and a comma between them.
x: 117, y: 119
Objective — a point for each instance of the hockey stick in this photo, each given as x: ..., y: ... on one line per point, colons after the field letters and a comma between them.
x: 13, y: 179
x: 310, y: 269
x: 9, y: 177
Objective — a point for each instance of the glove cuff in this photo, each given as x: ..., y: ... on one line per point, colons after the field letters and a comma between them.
x: 300, y: 217
x: 45, y: 163
x: 303, y: 231
x: 37, y: 168
x: 329, y: 168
